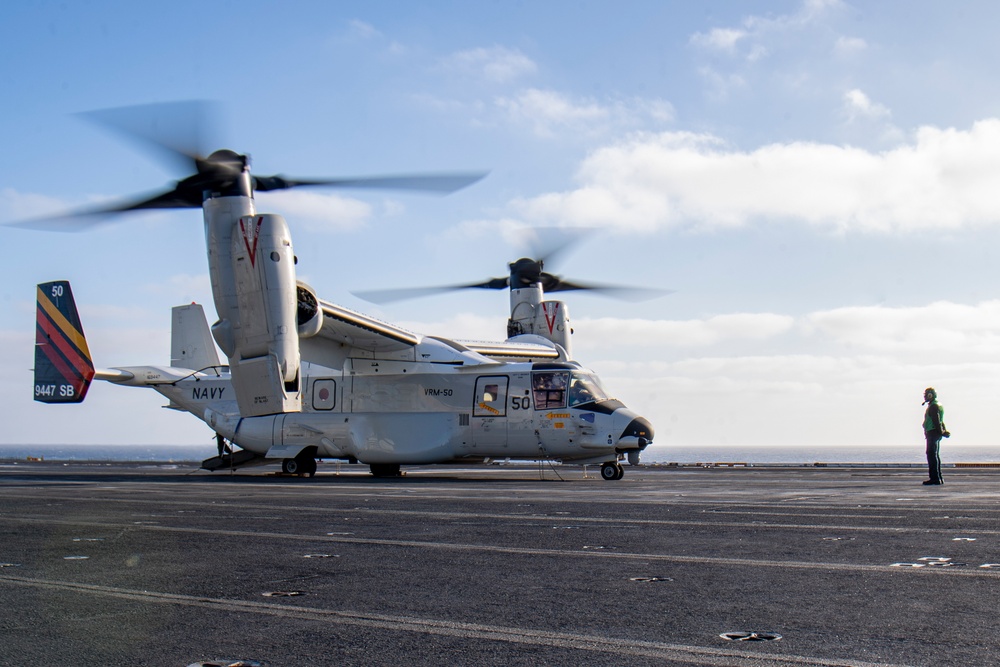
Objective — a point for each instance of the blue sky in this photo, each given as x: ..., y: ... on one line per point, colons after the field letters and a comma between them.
x: 815, y: 179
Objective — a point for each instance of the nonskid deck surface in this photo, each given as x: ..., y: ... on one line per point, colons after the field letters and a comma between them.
x: 126, y: 564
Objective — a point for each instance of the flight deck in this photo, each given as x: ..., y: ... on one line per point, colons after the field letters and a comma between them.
x: 145, y: 564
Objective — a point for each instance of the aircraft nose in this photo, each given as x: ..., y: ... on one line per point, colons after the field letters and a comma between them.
x: 641, y: 429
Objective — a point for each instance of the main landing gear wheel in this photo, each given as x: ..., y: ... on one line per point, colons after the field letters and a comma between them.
x: 299, y: 467
x: 385, y: 469
x: 310, y: 467
x: 612, y: 470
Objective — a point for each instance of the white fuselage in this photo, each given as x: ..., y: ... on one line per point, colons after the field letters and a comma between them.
x: 400, y: 412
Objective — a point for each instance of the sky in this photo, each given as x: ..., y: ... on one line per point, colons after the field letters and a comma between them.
x: 815, y: 180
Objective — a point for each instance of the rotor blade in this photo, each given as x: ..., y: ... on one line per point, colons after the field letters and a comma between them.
x: 401, y: 294
x: 442, y: 183
x: 177, y: 130
x: 175, y: 198
x: 70, y: 222
x: 546, y: 244
x: 83, y: 219
x: 555, y: 284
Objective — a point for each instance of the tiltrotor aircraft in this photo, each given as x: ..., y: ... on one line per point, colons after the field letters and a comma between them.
x: 307, y: 379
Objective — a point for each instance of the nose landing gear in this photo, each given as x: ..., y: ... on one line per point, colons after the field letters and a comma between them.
x: 612, y: 470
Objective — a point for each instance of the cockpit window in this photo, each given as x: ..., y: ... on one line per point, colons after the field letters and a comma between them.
x: 585, y: 388
x: 549, y: 389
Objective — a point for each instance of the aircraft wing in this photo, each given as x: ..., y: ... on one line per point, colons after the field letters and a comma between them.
x: 354, y: 329
x: 510, y: 351
x: 363, y: 331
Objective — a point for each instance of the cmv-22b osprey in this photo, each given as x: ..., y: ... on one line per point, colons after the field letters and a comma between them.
x: 307, y: 379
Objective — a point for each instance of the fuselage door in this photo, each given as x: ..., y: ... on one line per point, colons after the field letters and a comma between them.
x: 552, y: 418
x: 489, y: 414
x: 521, y: 435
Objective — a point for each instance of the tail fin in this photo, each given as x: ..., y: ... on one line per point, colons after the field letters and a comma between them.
x: 63, y: 367
x: 191, y: 344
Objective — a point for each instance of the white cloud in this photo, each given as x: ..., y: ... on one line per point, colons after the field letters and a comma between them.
x: 511, y: 231
x: 857, y: 377
x: 362, y: 29
x: 15, y: 206
x: 184, y: 288
x: 811, y: 12
x: 448, y: 105
x: 861, y: 112
x: 748, y: 40
x: 496, y: 64
x: 858, y: 105
x: 546, y: 109
x: 638, y: 108
x: 796, y: 47
x: 849, y: 46
x: 681, y: 334
x: 549, y: 112
x: 943, y: 179
x: 320, y: 212
x: 720, y: 85
x: 940, y: 330
x: 719, y: 39
x: 546, y: 112
x: 58, y: 214
x: 461, y: 327
x: 757, y: 52
x: 803, y: 400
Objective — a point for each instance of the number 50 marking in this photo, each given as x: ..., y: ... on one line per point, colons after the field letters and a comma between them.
x: 520, y: 403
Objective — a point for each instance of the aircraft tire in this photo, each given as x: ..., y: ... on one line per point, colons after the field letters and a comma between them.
x: 291, y: 466
x: 309, y: 468
x: 384, y: 469
x: 611, y: 471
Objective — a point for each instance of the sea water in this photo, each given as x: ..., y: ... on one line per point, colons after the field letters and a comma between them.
x: 844, y: 454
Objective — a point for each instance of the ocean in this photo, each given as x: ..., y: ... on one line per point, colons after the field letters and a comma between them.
x: 655, y: 454
x: 808, y: 455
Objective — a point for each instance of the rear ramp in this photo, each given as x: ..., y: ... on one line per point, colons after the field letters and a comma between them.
x: 239, y: 459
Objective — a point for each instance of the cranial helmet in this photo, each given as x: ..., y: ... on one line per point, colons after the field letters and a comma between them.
x: 930, y: 390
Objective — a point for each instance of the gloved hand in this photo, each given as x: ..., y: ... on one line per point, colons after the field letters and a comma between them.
x: 946, y: 434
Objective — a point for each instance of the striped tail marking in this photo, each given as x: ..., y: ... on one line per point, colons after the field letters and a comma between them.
x: 63, y: 367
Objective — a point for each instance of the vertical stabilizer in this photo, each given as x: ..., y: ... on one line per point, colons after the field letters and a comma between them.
x: 63, y: 367
x: 191, y: 343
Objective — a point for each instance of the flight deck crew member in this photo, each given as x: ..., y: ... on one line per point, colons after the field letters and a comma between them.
x: 934, y: 430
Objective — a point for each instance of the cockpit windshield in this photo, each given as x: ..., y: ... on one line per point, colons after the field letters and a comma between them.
x: 550, y: 389
x: 584, y: 388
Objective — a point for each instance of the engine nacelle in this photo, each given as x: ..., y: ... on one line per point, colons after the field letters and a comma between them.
x: 548, y: 319
x: 552, y: 321
x: 309, y: 316
x: 264, y: 360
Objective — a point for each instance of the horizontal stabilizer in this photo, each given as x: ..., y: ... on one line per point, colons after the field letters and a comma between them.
x: 63, y: 366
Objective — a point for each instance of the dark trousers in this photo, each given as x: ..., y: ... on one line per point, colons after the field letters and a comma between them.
x: 933, y: 455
